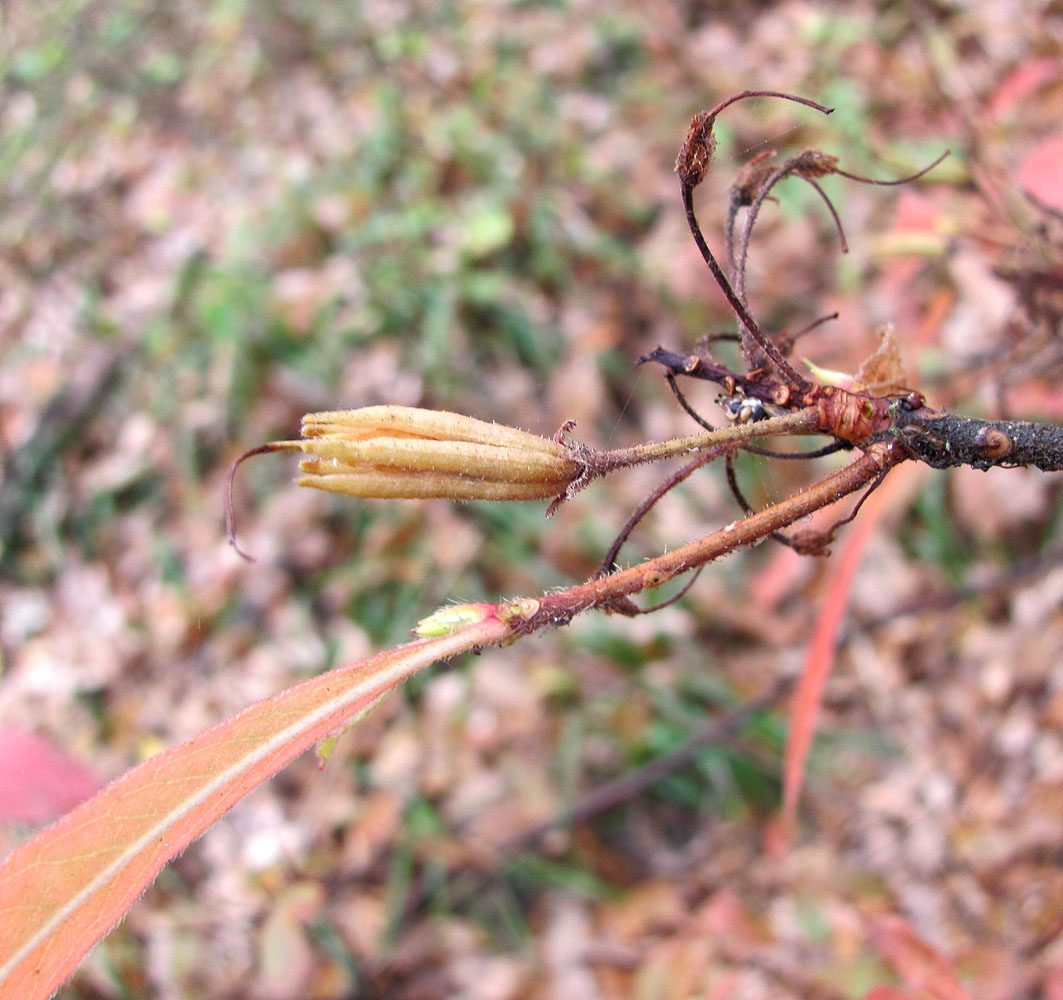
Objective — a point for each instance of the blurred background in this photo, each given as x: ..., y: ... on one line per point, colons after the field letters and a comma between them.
x: 215, y: 217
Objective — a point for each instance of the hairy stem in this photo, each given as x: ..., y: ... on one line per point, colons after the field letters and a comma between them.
x: 804, y: 421
x: 609, y: 559
x: 559, y: 608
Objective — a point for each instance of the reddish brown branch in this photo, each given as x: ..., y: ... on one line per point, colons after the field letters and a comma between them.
x: 559, y: 608
x: 627, y: 787
x: 609, y: 560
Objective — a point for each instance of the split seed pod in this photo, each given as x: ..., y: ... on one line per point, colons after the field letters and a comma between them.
x: 409, y: 453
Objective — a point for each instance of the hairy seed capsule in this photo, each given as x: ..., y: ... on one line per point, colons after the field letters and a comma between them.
x: 403, y: 452
x: 406, y: 452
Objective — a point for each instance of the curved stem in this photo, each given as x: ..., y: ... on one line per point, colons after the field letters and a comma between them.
x: 230, y: 505
x: 609, y: 559
x: 747, y: 507
x: 728, y: 101
x: 900, y: 180
x: 779, y: 173
x: 680, y: 396
x: 559, y: 608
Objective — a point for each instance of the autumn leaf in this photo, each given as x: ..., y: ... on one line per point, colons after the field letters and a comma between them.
x: 66, y: 887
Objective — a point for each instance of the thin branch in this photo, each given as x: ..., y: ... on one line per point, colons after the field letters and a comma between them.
x: 609, y: 560
x: 856, y: 507
x: 747, y: 507
x: 667, y: 602
x: 727, y: 102
x: 828, y: 449
x: 560, y: 607
x: 614, y: 793
x: 468, y: 881
x: 681, y: 398
x: 784, y: 170
x: 833, y: 214
x: 787, y: 340
x: 803, y: 421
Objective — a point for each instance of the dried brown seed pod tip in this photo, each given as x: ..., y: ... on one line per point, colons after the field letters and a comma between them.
x: 813, y: 163
x: 695, y: 154
x: 752, y: 178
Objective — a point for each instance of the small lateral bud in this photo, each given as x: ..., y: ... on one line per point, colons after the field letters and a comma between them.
x: 452, y: 619
x: 992, y: 443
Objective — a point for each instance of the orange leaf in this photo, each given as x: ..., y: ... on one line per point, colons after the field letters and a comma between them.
x: 819, y: 659
x: 66, y: 887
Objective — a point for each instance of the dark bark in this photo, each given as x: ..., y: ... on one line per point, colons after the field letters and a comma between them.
x: 942, y: 439
x: 935, y: 437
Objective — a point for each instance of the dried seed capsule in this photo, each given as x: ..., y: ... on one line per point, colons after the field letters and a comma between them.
x: 399, y: 451
x: 403, y: 452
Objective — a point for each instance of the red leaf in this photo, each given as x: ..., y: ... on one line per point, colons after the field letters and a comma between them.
x: 1041, y: 172
x: 39, y: 781
x: 66, y: 887
x: 918, y: 963
x: 1020, y: 84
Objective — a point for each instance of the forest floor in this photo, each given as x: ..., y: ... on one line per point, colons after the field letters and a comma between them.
x: 217, y: 217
